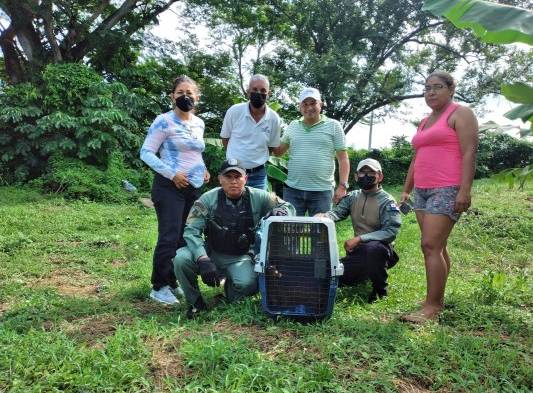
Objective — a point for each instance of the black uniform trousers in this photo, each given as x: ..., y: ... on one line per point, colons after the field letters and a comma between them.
x: 369, y: 260
x: 172, y: 206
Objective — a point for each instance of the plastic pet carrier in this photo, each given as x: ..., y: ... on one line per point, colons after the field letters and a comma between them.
x: 298, y: 267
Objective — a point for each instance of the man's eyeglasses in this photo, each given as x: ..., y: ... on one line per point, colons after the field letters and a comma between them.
x: 436, y: 87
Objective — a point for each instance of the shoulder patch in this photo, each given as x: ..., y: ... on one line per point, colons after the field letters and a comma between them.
x: 393, y: 207
x: 198, y: 209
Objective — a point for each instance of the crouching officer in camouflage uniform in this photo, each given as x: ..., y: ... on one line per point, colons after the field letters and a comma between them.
x: 227, y: 216
x: 376, y: 222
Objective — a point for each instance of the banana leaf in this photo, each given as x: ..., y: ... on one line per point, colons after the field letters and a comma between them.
x: 276, y: 173
x: 518, y: 92
x: 524, y: 112
x: 491, y: 22
x: 277, y: 161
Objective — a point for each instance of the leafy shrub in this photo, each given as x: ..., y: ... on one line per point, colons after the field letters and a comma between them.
x: 515, y: 175
x: 153, y: 78
x: 75, y: 179
x: 395, y: 161
x: 499, y: 151
x: 496, y: 152
x: 73, y: 113
x: 10, y: 244
x: 500, y: 288
x: 214, y: 155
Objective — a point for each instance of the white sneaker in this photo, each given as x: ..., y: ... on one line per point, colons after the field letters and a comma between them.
x: 164, y: 295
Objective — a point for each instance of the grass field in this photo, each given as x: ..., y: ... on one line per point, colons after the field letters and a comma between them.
x: 74, y: 313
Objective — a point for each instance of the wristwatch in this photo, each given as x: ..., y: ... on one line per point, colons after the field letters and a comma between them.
x: 345, y: 184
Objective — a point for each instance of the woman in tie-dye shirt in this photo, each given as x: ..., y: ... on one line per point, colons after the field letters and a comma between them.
x: 173, y: 149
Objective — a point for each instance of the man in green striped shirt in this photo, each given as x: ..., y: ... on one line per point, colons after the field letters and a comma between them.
x: 313, y: 142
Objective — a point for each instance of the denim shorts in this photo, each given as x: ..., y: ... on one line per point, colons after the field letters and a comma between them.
x: 440, y: 200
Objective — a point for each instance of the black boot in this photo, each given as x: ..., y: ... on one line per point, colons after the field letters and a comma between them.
x: 375, y: 295
x: 198, y: 307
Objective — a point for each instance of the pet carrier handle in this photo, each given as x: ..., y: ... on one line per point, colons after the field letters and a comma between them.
x: 259, y: 239
x: 339, y: 269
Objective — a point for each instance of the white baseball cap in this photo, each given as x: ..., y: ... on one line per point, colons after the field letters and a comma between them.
x: 310, y: 92
x: 371, y: 163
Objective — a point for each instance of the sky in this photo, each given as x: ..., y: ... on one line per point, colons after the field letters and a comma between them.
x: 396, y: 125
x: 416, y: 109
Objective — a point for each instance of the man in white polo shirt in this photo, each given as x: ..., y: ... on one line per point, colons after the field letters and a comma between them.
x: 251, y: 130
x: 313, y: 142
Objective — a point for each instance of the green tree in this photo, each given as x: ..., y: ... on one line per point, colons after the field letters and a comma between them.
x: 362, y: 55
x: 213, y: 71
x: 498, y: 24
x: 43, y: 32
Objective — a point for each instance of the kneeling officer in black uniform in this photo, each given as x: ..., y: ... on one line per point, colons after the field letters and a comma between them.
x: 376, y: 222
x: 227, y: 216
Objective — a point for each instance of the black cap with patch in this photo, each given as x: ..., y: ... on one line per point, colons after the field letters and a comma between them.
x: 231, y: 165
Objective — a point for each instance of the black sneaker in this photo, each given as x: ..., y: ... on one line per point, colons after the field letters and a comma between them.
x: 198, y: 307
x: 376, y: 295
x: 220, y: 300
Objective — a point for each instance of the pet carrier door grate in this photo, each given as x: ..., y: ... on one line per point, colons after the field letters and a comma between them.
x: 298, y: 266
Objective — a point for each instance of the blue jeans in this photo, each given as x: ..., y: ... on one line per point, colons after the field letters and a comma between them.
x: 258, y: 179
x: 311, y: 202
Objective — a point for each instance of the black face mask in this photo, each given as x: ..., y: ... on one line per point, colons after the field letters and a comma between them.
x: 366, y: 182
x: 185, y: 103
x: 257, y: 99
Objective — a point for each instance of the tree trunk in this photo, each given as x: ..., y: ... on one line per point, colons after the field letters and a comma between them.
x: 32, y: 40
x: 15, y: 68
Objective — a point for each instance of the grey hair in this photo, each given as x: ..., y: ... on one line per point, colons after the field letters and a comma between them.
x: 259, y: 77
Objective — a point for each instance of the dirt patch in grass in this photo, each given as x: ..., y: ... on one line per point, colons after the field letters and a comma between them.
x: 500, y: 336
x: 346, y: 372
x: 271, y: 343
x: 406, y: 386
x: 150, y: 307
x: 165, y: 363
x: 70, y: 243
x: 119, y: 262
x: 58, y: 259
x: 93, y: 329
x: 68, y: 282
x: 388, y: 318
x: 62, y: 259
x: 291, y: 346
x: 4, y: 307
x: 104, y: 243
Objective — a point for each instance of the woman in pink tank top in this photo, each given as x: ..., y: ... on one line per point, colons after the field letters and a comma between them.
x: 441, y: 173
